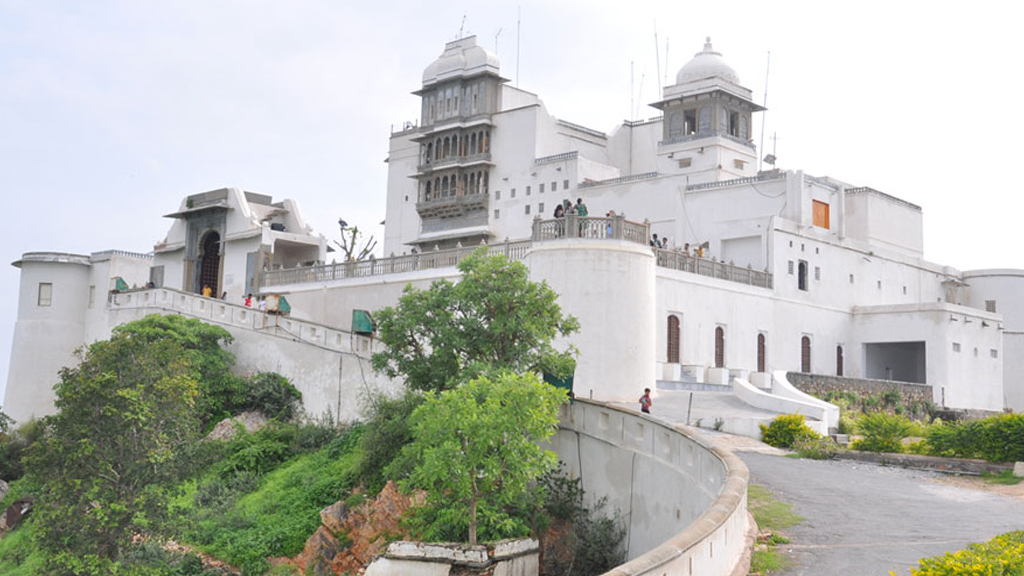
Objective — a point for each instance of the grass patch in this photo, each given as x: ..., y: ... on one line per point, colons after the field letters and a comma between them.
x: 1005, y: 477
x: 18, y: 555
x: 768, y: 561
x: 769, y: 512
x: 251, y: 519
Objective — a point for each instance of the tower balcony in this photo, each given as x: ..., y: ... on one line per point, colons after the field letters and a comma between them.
x: 468, y: 160
x: 453, y: 206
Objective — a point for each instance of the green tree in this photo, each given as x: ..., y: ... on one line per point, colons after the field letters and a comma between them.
x: 494, y: 319
x: 112, y: 452
x: 221, y: 393
x: 477, y: 449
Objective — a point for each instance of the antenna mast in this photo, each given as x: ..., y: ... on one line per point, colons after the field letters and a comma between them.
x: 665, y: 81
x: 639, y: 96
x: 462, y: 26
x: 496, y: 41
x: 519, y: 26
x: 630, y: 90
x: 657, y: 55
x: 764, y: 115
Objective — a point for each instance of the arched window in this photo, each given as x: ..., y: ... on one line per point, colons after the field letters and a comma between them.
x: 426, y: 197
x: 472, y: 144
x: 430, y: 152
x: 472, y: 183
x: 673, y: 339
x: 761, y: 353
x: 802, y: 276
x: 444, y: 186
x: 447, y: 147
x: 719, y: 347
x: 486, y: 178
x: 805, y: 354
x: 437, y: 149
x: 839, y: 360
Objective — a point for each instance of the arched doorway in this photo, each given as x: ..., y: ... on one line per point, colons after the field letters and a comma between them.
x: 209, y: 263
x: 760, y: 353
x: 805, y: 354
x: 719, y: 347
x: 673, y: 339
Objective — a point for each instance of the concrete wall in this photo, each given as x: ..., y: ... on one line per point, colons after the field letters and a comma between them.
x: 329, y: 367
x: 615, y: 341
x: 819, y: 385
x: 684, y: 501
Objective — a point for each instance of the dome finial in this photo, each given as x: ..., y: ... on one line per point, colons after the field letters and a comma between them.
x: 707, y: 43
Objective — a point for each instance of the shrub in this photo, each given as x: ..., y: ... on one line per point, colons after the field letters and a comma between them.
x: 815, y: 448
x: 386, y: 432
x: 883, y: 432
x: 1003, y: 554
x: 272, y: 394
x: 997, y: 438
x: 786, y: 429
x: 594, y: 544
x: 14, y: 442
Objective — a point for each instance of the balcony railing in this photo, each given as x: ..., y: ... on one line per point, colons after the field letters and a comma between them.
x: 573, y: 226
x: 393, y: 265
x: 455, y: 161
x: 713, y: 268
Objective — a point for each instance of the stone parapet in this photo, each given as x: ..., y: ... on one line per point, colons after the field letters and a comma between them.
x: 820, y: 384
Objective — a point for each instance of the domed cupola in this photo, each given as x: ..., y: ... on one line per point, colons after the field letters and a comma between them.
x: 706, y: 64
x: 462, y: 57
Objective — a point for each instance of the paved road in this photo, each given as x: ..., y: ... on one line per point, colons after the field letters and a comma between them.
x: 865, y: 520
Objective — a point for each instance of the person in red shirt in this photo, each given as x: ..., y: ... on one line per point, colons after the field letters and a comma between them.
x: 645, y: 401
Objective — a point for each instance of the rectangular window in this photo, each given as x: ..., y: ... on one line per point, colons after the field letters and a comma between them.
x: 512, y: 193
x: 994, y: 353
x: 956, y: 346
x: 738, y: 164
x: 565, y: 183
x: 497, y: 194
x: 851, y: 278
x: 879, y: 284
x: 541, y: 188
x: 527, y: 190
x: 497, y: 213
x: 817, y: 272
x: 554, y: 186
x: 685, y: 162
x: 527, y: 207
x: 990, y: 305
x: 790, y: 267
x: 540, y: 208
x: 92, y: 295
x: 821, y: 215
x: 904, y: 289
x: 45, y: 294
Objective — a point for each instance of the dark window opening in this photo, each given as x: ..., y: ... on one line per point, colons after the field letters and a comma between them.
x: 673, y: 339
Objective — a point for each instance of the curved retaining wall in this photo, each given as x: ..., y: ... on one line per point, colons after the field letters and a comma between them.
x: 684, y: 502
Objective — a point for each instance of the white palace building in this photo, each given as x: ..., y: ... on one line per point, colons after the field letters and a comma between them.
x: 798, y: 273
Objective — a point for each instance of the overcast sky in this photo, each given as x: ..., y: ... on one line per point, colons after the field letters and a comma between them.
x: 112, y: 112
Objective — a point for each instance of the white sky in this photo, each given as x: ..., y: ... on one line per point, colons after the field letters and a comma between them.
x: 111, y: 112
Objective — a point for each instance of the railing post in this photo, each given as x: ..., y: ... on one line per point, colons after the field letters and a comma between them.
x: 572, y: 225
x: 647, y: 231
x: 535, y: 236
x: 617, y: 225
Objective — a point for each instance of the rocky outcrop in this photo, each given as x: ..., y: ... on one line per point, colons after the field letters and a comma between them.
x: 226, y: 430
x: 349, y: 538
x: 14, y: 514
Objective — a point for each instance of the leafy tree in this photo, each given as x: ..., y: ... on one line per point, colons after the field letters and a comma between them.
x: 221, y: 393
x: 478, y: 451
x: 494, y: 319
x: 112, y: 451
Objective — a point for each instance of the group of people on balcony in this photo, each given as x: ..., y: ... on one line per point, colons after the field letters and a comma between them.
x: 567, y: 207
x: 664, y: 244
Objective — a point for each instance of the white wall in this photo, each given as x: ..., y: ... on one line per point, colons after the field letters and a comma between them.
x: 45, y: 337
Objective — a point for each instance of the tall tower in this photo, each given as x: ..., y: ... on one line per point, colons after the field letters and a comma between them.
x: 460, y: 94
x: 707, y: 121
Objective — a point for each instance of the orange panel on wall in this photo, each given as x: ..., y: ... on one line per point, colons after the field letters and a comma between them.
x: 821, y: 217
